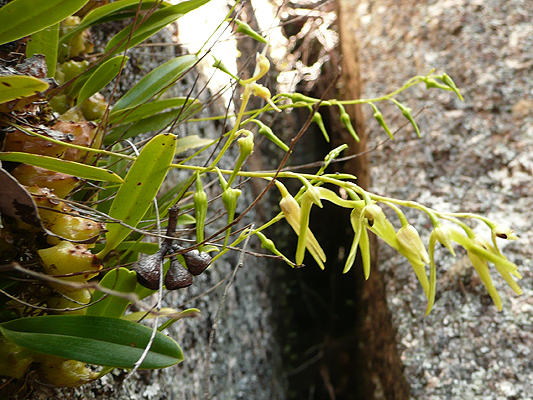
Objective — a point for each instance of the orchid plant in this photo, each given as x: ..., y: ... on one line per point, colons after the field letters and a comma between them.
x: 78, y: 170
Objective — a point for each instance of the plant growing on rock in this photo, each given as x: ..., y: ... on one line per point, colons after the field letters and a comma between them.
x: 79, y: 196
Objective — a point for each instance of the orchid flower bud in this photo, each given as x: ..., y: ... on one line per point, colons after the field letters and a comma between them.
x: 347, y: 122
x: 408, y: 114
x: 317, y: 119
x: 200, y: 206
x: 379, y: 117
x: 267, y: 132
x: 297, y: 97
x: 229, y: 198
x: 449, y: 82
x: 269, y: 245
x: 246, y: 144
x: 243, y: 27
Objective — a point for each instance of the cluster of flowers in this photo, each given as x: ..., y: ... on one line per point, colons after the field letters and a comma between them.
x: 367, y: 216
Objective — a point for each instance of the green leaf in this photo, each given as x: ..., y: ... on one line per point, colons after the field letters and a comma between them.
x: 141, y: 184
x: 156, y: 81
x: 153, y: 123
x: 191, y: 142
x: 119, y: 166
x: 140, y: 247
x: 23, y: 17
x: 67, y: 167
x: 137, y: 112
x: 165, y: 312
x: 121, y: 280
x: 15, y: 86
x: 94, y: 340
x: 110, y: 12
x: 101, y: 77
x: 154, y: 23
x: 45, y: 42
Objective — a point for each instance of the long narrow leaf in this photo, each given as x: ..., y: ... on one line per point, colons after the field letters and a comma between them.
x: 105, y: 13
x: 141, y: 184
x: 155, y: 82
x: 101, y: 77
x: 67, y: 167
x: 153, y: 123
x: 191, y: 142
x: 94, y: 340
x: 157, y: 21
x: 23, y: 17
x: 15, y: 86
x: 135, y: 113
x: 45, y: 42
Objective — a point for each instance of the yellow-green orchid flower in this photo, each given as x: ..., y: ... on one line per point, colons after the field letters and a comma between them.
x: 292, y: 213
x: 480, y: 252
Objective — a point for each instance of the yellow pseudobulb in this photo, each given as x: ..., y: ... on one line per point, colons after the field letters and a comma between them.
x: 67, y: 258
x: 61, y: 372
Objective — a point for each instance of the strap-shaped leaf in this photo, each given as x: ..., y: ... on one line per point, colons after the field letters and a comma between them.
x: 45, y: 42
x: 110, y: 12
x: 157, y: 21
x: 15, y: 86
x: 153, y: 123
x: 23, y: 17
x: 94, y: 340
x: 120, y: 280
x: 155, y: 82
x: 135, y: 113
x: 67, y: 167
x: 101, y: 77
x: 140, y: 186
x: 191, y: 142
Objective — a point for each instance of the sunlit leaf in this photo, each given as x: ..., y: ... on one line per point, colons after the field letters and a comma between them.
x: 45, y: 42
x: 67, y: 167
x: 154, y: 23
x: 110, y: 12
x: 141, y: 184
x: 101, y: 77
x: 94, y: 340
x: 15, y: 86
x: 153, y: 123
x: 165, y: 312
x: 191, y: 142
x: 155, y: 81
x: 23, y: 17
x: 137, y: 112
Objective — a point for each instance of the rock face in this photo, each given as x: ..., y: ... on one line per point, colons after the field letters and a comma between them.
x: 473, y: 156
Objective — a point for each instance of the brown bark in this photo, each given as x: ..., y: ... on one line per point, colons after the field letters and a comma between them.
x: 380, y: 361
